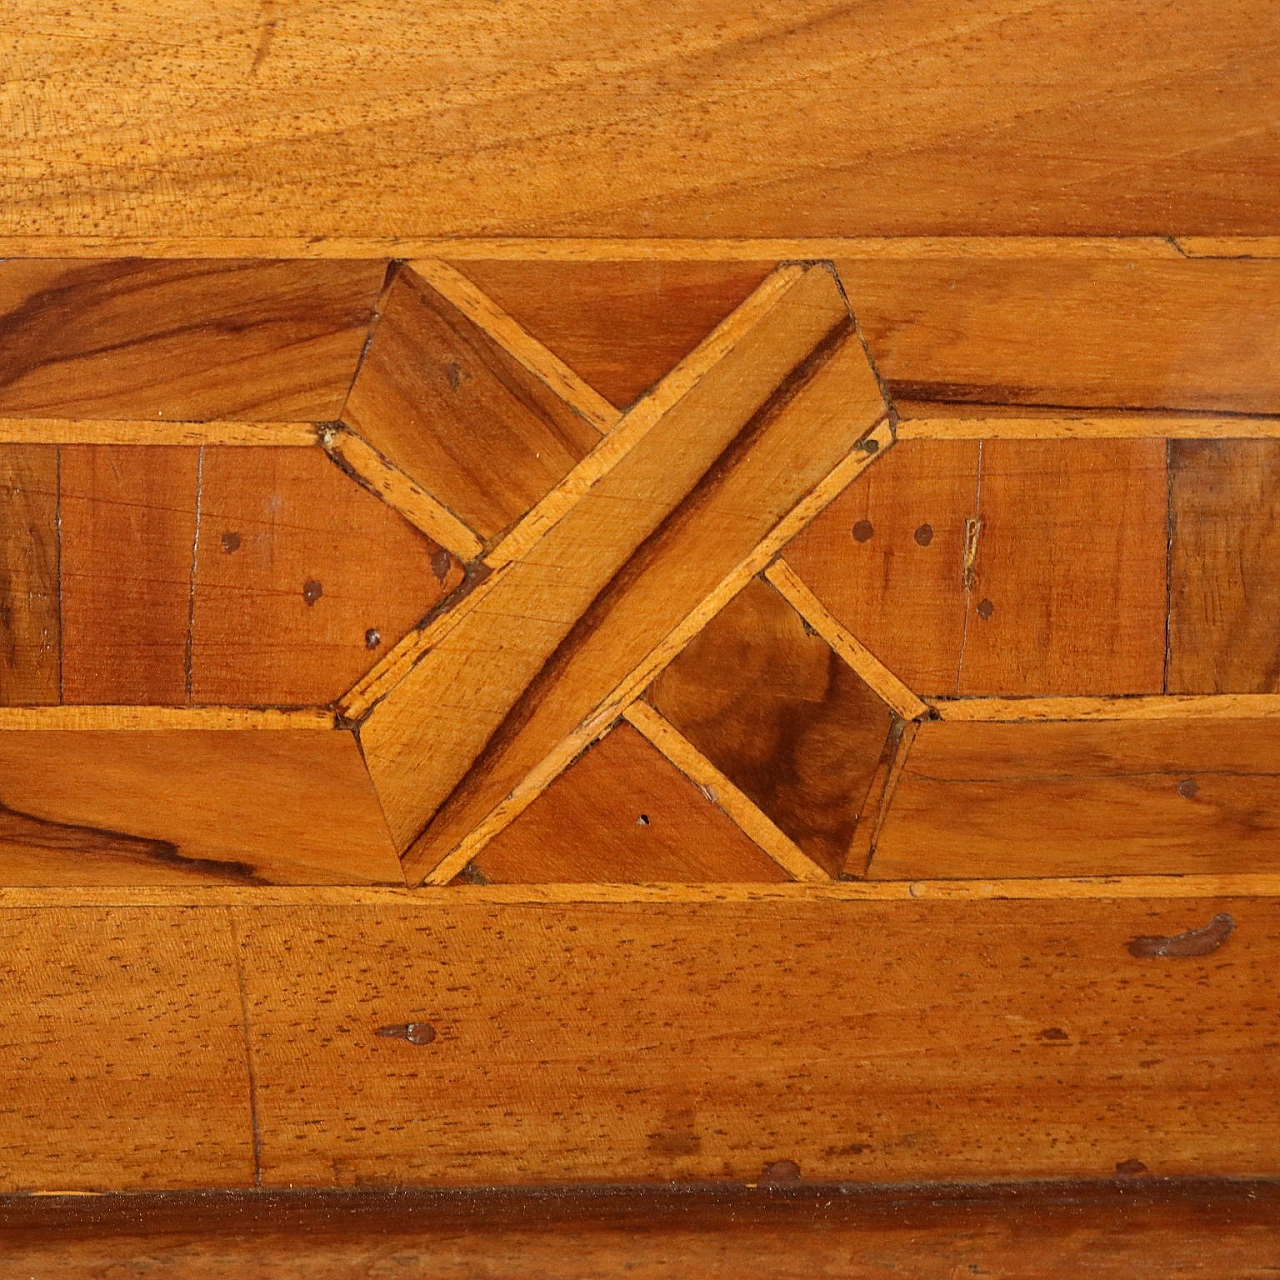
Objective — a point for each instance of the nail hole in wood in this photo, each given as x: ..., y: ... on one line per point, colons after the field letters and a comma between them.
x: 862, y: 531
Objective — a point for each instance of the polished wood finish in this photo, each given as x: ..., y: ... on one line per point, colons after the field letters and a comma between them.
x: 1224, y: 611
x: 250, y: 340
x: 782, y: 715
x: 1096, y: 798
x: 622, y: 813
x: 30, y: 576
x: 120, y: 807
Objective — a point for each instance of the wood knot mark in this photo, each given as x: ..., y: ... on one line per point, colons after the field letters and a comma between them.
x: 413, y: 1032
x: 862, y: 531
x: 1196, y: 942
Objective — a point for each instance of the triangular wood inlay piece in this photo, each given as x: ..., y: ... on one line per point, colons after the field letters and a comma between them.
x: 620, y: 325
x: 624, y: 814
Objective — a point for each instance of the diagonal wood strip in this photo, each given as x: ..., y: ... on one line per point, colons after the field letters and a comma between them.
x: 887, y: 685
x: 748, y: 816
x: 775, y: 478
x: 423, y: 736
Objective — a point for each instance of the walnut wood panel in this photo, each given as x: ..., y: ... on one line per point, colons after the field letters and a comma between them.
x: 1130, y: 1228
x: 425, y: 733
x: 1060, y: 799
x: 995, y: 1040
x: 30, y: 616
x: 459, y: 414
x: 1120, y: 335
x: 621, y: 325
x: 213, y: 339
x: 400, y: 120
x: 137, y: 807
x: 128, y: 519
x: 123, y: 1051
x: 303, y: 579
x: 1224, y: 618
x: 774, y: 708
x: 888, y: 558
x: 1068, y: 589
x: 625, y: 814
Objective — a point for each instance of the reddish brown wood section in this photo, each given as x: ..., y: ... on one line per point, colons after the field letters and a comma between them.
x: 623, y: 813
x: 621, y: 325
x: 259, y: 341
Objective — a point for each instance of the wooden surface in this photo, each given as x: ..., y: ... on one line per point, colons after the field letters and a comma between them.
x: 999, y: 1040
x: 623, y: 813
x: 1117, y: 798
x: 1126, y: 1228
x: 250, y: 340
x: 458, y: 413
x: 127, y: 807
x: 30, y: 616
x: 776, y: 710
x: 397, y: 120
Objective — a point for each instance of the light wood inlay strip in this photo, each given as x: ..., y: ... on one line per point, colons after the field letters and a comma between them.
x: 155, y: 431
x: 892, y: 690
x: 144, y: 717
x: 1222, y: 706
x: 1104, y: 426
x: 721, y: 791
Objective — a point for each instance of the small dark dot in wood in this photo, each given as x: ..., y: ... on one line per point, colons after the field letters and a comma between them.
x: 1188, y: 787
x: 869, y: 445
x: 924, y: 535
x: 781, y: 1171
x: 230, y: 542
x: 642, y: 820
x: 862, y: 531
x: 454, y: 374
x: 1130, y: 1168
x: 985, y: 609
x: 440, y: 563
x: 312, y: 590
x: 372, y: 638
x: 1054, y: 1033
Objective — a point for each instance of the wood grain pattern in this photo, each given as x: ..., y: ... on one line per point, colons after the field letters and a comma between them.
x: 302, y: 579
x: 1221, y: 706
x: 152, y: 431
x: 123, y: 1052
x: 189, y: 806
x: 30, y: 613
x: 1143, y: 1229
x: 101, y: 716
x: 730, y: 526
x: 1224, y: 601
x: 623, y: 813
x: 203, y: 339
x: 1131, y: 797
x: 128, y: 520
x: 1068, y: 590
x: 887, y: 559
x: 621, y: 325
x: 949, y: 420
x: 723, y: 1040
x: 775, y: 709
x: 474, y: 676
x: 396, y: 120
x: 1116, y: 335
x: 455, y: 411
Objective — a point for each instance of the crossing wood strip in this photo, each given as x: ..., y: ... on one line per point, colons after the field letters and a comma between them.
x: 654, y: 662
x: 721, y: 791
x: 447, y: 404
x: 772, y: 706
x: 623, y: 811
x: 151, y: 431
x: 142, y: 717
x: 518, y: 341
x: 1107, y: 334
x: 622, y: 325
x: 140, y: 339
x: 1248, y: 706
x: 189, y: 805
x: 1060, y: 799
x: 475, y: 673
x: 892, y: 690
x: 128, y: 523
x: 1224, y: 601
x: 875, y: 807
x: 366, y: 465
x: 724, y: 1040
x: 30, y: 614
x: 784, y: 466
x: 123, y: 1051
